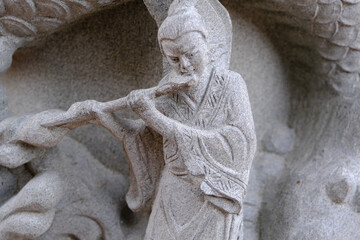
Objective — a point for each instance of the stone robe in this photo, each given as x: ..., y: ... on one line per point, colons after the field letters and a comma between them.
x: 196, y: 179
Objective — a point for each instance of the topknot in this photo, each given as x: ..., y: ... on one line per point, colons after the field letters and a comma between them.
x: 182, y: 18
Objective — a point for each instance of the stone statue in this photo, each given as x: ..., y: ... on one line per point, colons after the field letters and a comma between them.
x: 206, y: 135
x: 300, y: 60
x: 190, y: 152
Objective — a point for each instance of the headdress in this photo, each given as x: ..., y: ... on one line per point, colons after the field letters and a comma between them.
x: 182, y: 18
x: 207, y: 17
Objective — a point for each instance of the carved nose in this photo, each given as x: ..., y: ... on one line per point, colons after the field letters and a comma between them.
x: 184, y: 63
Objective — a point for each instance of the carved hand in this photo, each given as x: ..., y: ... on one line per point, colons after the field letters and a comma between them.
x: 96, y: 111
x: 87, y: 109
x: 142, y: 102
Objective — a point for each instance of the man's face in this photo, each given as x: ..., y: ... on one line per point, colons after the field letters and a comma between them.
x: 188, y: 54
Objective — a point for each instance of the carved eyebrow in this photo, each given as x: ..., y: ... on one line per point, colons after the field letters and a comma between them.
x: 166, y: 46
x: 167, y: 52
x: 189, y: 50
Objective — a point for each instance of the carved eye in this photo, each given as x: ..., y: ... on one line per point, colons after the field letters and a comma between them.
x: 174, y: 59
x: 191, y: 55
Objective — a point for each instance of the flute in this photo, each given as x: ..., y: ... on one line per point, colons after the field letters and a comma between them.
x: 74, y: 118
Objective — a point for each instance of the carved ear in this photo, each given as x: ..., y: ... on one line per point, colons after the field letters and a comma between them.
x: 218, y: 51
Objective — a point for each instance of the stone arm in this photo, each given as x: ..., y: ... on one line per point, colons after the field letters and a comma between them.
x: 117, y: 126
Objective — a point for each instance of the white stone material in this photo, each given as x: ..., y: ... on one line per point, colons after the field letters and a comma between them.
x: 178, y: 166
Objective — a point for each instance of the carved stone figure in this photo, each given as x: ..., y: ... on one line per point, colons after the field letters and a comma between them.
x: 300, y: 63
x: 208, y: 140
x: 190, y: 153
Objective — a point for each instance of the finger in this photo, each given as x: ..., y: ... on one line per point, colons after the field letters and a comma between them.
x: 151, y: 93
x: 129, y: 99
x: 133, y: 98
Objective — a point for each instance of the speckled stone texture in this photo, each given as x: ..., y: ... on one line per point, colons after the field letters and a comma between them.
x: 299, y: 60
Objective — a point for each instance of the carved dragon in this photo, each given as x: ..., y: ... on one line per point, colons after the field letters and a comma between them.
x: 321, y: 44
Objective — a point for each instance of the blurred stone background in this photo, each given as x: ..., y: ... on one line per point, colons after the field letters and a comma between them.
x: 305, y: 112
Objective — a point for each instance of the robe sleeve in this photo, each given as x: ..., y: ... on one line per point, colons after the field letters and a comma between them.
x: 223, y: 154
x: 143, y: 150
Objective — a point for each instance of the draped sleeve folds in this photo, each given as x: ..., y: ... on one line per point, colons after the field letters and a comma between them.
x: 223, y: 151
x: 217, y: 145
x: 144, y: 155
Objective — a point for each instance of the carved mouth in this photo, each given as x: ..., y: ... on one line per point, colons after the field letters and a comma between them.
x: 187, y: 73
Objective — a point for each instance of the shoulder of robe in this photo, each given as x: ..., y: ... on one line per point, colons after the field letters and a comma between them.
x: 236, y: 83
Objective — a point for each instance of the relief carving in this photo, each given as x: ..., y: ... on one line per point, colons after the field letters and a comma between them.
x: 189, y: 153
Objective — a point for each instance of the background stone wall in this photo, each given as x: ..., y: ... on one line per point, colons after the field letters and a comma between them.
x: 299, y: 61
